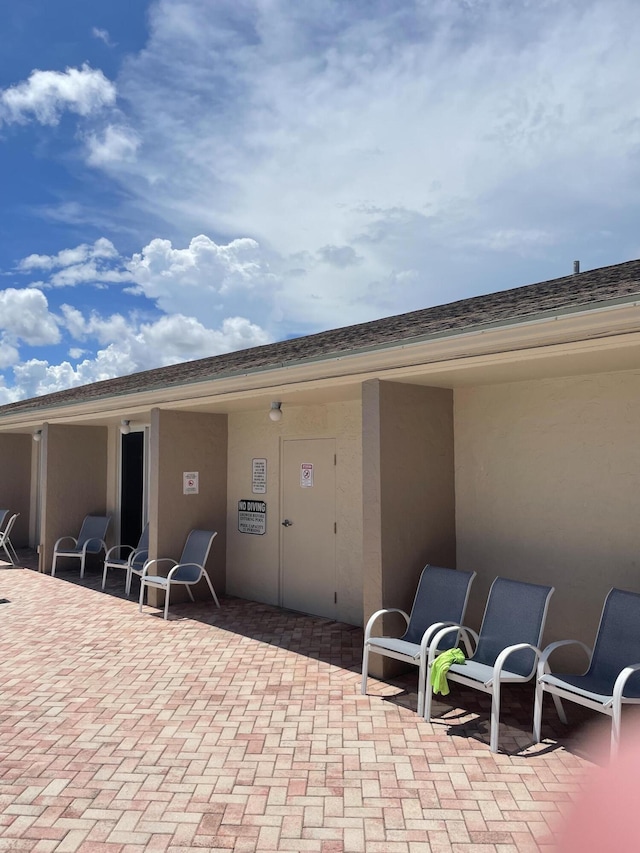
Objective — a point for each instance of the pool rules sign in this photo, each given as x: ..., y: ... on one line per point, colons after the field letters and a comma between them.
x: 252, y: 517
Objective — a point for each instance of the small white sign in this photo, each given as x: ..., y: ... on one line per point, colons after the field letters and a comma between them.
x: 306, y: 475
x: 259, y: 476
x: 190, y: 483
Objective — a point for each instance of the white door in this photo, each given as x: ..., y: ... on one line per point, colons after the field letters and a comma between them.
x: 309, y: 526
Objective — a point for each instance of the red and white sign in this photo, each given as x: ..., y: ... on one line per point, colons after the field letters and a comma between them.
x: 306, y: 475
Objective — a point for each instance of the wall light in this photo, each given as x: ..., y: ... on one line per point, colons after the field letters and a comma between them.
x: 37, y: 435
x: 276, y: 412
x: 125, y: 427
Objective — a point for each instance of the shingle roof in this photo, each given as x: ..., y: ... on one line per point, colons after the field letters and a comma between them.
x: 572, y: 291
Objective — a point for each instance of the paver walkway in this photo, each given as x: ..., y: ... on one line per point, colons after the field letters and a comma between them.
x: 242, y: 729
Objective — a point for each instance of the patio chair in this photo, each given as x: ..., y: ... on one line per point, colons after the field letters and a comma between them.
x: 133, y: 561
x: 5, y: 542
x: 90, y: 541
x: 187, y: 572
x: 441, y: 599
x: 507, y: 647
x: 612, y: 678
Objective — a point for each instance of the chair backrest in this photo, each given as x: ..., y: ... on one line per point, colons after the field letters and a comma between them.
x: 515, y: 613
x: 441, y: 596
x: 196, y: 550
x: 3, y: 515
x: 93, y: 527
x: 143, y: 541
x: 618, y: 639
x: 142, y: 548
x: 4, y: 535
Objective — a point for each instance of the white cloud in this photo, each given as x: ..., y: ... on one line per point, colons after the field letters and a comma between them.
x: 102, y: 248
x: 205, y: 278
x: 24, y: 315
x: 47, y: 94
x: 127, y: 347
x: 115, y: 144
x: 103, y: 35
x: 460, y: 124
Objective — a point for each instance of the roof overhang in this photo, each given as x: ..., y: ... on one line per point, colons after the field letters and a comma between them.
x: 581, y: 340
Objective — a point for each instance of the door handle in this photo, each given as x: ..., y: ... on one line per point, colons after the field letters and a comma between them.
x: 287, y: 523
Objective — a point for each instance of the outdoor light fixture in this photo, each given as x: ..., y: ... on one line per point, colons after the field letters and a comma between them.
x: 37, y: 435
x: 125, y: 427
x: 276, y: 412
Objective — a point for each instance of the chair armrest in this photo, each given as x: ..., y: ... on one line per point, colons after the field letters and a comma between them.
x: 93, y: 541
x: 543, y: 661
x: 504, y: 655
x: 183, y: 566
x: 114, y: 549
x: 374, y: 616
x: 620, y: 682
x: 135, y: 555
x: 430, y: 633
x: 437, y: 638
x: 150, y: 563
x: 61, y: 539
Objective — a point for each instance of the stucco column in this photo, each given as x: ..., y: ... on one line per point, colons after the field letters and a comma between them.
x: 408, y: 494
x: 182, y: 442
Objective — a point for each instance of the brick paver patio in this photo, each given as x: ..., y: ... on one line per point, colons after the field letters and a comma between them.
x: 243, y: 729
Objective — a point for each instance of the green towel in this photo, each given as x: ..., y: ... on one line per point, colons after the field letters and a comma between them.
x: 440, y: 668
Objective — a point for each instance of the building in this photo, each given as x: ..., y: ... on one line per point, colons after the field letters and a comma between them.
x: 499, y: 433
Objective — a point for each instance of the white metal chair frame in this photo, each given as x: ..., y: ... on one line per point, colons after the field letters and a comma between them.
x: 403, y: 650
x: 91, y: 545
x: 132, y: 564
x: 611, y: 705
x: 173, y: 578
x: 5, y: 542
x: 488, y: 679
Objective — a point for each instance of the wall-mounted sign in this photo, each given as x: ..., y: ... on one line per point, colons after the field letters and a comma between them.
x: 190, y: 483
x: 252, y: 517
x: 306, y: 475
x: 259, y: 476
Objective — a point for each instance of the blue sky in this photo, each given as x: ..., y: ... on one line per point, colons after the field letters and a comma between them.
x: 181, y: 178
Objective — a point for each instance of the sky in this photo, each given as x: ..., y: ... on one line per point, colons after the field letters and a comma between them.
x: 184, y: 178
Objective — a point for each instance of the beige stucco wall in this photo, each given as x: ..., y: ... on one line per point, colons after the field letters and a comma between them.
x: 188, y: 442
x: 74, y: 476
x: 548, y: 490
x: 15, y: 483
x: 253, y: 562
x: 409, y: 499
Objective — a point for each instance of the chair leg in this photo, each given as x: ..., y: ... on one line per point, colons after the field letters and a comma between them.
x: 213, y: 592
x: 428, y: 695
x: 422, y: 684
x: 190, y: 593
x: 82, y: 566
x: 537, y: 713
x: 495, y: 716
x: 616, y: 720
x: 560, y: 709
x: 53, y: 565
x: 104, y: 576
x: 13, y: 551
x: 365, y: 669
x: 166, y: 599
x: 141, y: 599
x: 127, y: 583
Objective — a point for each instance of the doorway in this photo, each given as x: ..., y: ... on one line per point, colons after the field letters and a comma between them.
x: 133, y: 492
x: 309, y: 526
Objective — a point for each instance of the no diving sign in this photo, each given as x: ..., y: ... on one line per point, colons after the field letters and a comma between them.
x: 252, y: 517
